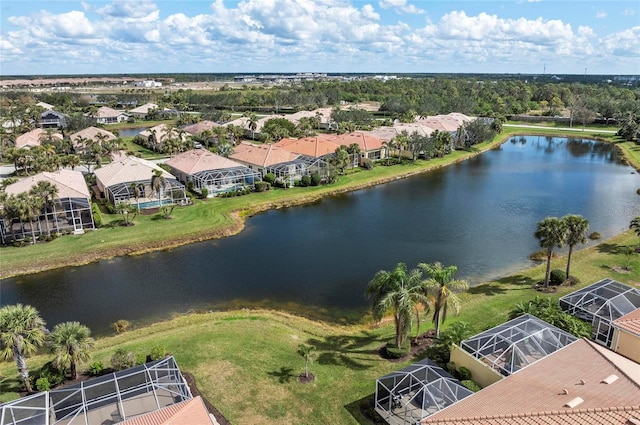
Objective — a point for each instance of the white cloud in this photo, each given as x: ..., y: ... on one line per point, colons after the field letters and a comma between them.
x: 129, y: 9
x: 601, y: 14
x: 401, y: 6
x: 628, y: 12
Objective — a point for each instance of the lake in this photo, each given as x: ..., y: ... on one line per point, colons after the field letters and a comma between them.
x: 316, y: 260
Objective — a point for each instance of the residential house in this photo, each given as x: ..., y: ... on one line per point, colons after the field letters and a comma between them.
x: 142, y: 110
x: 215, y: 173
x: 200, y: 127
x: 44, y: 105
x: 106, y: 115
x: 53, y: 119
x: 319, y: 146
x: 129, y: 180
x: 582, y: 383
x: 69, y: 211
x: 164, y: 132
x: 626, y: 335
x: 90, y: 133
x: 35, y: 138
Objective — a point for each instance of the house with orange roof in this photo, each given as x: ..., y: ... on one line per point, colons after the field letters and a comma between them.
x: 35, y: 137
x: 314, y: 146
x: 371, y: 147
x: 70, y: 210
x: 582, y: 383
x: 206, y: 170
x: 626, y: 335
x: 200, y: 126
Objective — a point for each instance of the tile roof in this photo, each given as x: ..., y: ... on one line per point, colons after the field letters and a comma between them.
x: 188, y: 412
x: 200, y: 126
x: 106, y: 112
x: 128, y: 169
x: 313, y: 146
x: 70, y: 184
x: 143, y: 109
x: 196, y: 160
x: 162, y: 132
x: 92, y: 133
x: 261, y: 155
x: 538, y: 391
x: 33, y: 138
x: 630, y: 322
x: 367, y: 142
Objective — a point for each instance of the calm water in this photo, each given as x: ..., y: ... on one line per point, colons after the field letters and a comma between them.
x: 130, y: 132
x: 479, y: 215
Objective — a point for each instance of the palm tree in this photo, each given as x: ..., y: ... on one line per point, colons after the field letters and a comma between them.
x: 307, y: 352
x: 46, y: 192
x: 635, y: 226
x: 400, y: 291
x: 444, y: 289
x: 551, y: 232
x: 28, y: 208
x: 577, y: 229
x: 253, y: 124
x: 71, y: 342
x: 158, y: 184
x: 22, y: 331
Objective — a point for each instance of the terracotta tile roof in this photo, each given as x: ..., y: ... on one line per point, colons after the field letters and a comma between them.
x: 33, y: 138
x: 188, y: 412
x: 143, y: 109
x: 630, y: 322
x: 315, y: 146
x: 70, y: 184
x: 163, y: 131
x: 196, y: 160
x: 106, y: 112
x: 200, y: 126
x: 92, y: 133
x: 128, y: 169
x: 538, y: 390
x: 367, y: 142
x: 261, y: 155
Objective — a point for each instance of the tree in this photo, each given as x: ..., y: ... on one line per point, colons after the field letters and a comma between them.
x: 341, y: 158
x: 400, y: 291
x: 577, y: 231
x: 444, y: 289
x: 71, y: 342
x: 635, y: 226
x: 128, y: 212
x: 28, y: 208
x: 22, y: 331
x: 307, y: 352
x: 551, y: 233
x: 47, y: 192
x: 158, y: 184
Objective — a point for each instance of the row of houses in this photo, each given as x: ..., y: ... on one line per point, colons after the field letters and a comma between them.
x: 531, y: 371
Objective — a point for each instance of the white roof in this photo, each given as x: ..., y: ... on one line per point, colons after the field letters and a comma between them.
x: 128, y: 169
x: 70, y: 184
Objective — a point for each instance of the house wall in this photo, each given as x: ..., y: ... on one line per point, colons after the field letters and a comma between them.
x: 626, y: 344
x: 480, y: 372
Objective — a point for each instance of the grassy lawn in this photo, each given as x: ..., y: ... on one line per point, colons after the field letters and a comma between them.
x: 215, y: 217
x: 245, y: 362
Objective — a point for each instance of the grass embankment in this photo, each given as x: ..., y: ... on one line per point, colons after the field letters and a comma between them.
x: 245, y: 362
x: 215, y: 218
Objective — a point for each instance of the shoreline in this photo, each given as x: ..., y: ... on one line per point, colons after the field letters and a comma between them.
x: 238, y: 217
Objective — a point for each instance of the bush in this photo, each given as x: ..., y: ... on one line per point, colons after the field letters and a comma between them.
x: 42, y: 384
x: 471, y: 385
x: 262, y: 186
x: 140, y: 359
x: 269, y: 178
x: 123, y: 359
x: 463, y: 374
x: 366, y: 163
x: 395, y: 352
x: 96, y: 369
x: 305, y: 181
x: 158, y: 352
x: 556, y: 277
x: 121, y: 326
x: 538, y: 255
x: 204, y: 192
x: 594, y: 236
x: 97, y: 215
x: 316, y: 179
x: 52, y: 374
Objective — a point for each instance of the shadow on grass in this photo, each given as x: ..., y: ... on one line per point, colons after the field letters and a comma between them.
x: 284, y: 375
x: 502, y: 286
x: 363, y: 411
x: 609, y: 248
x: 344, y: 350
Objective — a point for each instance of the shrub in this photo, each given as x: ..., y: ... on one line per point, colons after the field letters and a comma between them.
x: 204, y: 192
x: 538, y: 255
x: 395, y: 352
x: 269, y: 178
x: 463, y: 374
x: 97, y: 215
x: 594, y: 236
x: 471, y: 385
x: 96, y: 369
x: 123, y: 359
x: 52, y: 374
x: 158, y: 352
x: 556, y: 277
x: 366, y: 163
x: 316, y: 179
x: 121, y: 326
x: 305, y: 181
x: 42, y: 384
x: 140, y: 359
x: 262, y: 186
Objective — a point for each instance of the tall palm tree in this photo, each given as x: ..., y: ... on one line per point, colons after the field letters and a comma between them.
x: 47, y: 192
x: 635, y: 226
x: 444, y: 289
x: 400, y: 291
x: 577, y: 229
x: 71, y: 342
x: 158, y: 184
x: 22, y: 331
x: 551, y: 233
x: 28, y: 208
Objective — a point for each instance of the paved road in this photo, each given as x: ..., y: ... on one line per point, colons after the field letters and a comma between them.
x: 559, y: 128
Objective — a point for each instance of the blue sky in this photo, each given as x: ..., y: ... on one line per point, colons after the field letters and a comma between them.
x: 252, y: 36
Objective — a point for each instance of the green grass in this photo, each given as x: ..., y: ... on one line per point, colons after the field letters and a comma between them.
x: 245, y: 362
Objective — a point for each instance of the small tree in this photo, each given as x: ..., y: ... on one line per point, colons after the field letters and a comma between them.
x: 551, y: 233
x: 307, y: 352
x: 577, y: 230
x: 635, y: 226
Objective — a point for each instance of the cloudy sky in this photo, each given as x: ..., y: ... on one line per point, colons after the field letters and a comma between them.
x: 390, y: 36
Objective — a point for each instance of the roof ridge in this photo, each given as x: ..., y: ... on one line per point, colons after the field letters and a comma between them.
x: 614, y: 365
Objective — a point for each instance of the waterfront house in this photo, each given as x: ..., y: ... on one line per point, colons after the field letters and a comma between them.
x: 106, y: 115
x: 35, y: 138
x: 95, y: 134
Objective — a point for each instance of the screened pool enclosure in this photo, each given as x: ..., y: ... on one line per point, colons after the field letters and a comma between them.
x: 224, y: 179
x: 109, y: 399
x: 516, y: 344
x: 408, y: 395
x: 600, y: 304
